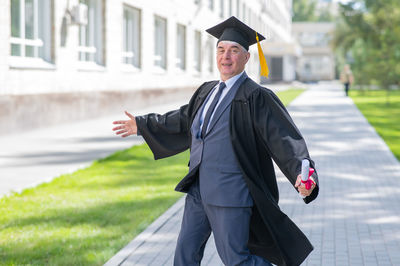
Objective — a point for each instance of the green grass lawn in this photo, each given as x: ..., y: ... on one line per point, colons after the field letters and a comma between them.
x: 84, y: 218
x: 288, y: 96
x: 385, y: 118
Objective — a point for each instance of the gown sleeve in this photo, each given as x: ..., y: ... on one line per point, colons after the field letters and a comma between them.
x: 281, y: 137
x: 166, y: 134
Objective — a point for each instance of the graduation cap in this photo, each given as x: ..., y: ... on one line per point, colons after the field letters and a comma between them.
x: 234, y: 30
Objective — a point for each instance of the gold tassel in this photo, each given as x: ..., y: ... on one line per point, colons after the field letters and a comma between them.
x: 263, y: 62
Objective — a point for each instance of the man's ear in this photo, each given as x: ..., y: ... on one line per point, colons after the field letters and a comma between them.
x: 247, y: 57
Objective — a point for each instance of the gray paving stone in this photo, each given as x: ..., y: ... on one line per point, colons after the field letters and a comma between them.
x: 356, y: 218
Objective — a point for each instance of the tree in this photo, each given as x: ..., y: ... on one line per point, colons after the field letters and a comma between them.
x: 370, y: 31
x: 325, y: 14
x: 308, y: 10
x: 304, y: 10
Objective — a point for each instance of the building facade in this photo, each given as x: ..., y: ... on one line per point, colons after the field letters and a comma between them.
x: 281, y: 49
x: 62, y: 60
x: 317, y: 61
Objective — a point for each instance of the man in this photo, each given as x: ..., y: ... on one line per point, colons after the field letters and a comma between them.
x: 347, y: 78
x: 233, y: 128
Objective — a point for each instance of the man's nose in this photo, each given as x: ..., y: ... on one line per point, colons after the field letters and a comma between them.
x: 227, y: 54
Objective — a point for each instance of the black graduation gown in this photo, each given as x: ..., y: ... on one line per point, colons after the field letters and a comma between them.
x: 261, y: 130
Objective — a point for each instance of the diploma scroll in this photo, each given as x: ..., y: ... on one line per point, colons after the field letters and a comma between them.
x: 306, y: 172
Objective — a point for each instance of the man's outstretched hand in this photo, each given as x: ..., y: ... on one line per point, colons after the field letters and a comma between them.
x: 302, y: 188
x: 127, y: 128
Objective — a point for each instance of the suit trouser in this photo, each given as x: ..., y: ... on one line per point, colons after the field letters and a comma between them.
x: 230, y: 226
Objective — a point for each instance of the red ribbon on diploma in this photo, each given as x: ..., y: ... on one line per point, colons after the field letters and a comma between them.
x: 308, y: 183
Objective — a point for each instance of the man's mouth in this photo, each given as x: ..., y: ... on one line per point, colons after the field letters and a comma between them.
x: 226, y: 64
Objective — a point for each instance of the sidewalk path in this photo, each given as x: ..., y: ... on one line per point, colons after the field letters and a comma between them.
x: 356, y: 218
x: 37, y: 156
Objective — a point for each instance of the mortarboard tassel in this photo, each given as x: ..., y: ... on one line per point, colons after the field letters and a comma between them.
x: 263, y: 62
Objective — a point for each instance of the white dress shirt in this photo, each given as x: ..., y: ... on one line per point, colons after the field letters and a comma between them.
x: 229, y: 83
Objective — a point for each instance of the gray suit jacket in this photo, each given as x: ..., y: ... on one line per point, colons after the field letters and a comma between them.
x: 221, y: 181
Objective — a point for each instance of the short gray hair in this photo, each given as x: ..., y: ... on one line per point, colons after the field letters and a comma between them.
x: 232, y: 42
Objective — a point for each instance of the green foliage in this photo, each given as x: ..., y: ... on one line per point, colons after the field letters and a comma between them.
x: 368, y: 34
x: 306, y: 10
x: 383, y: 117
x: 325, y: 15
x: 86, y: 217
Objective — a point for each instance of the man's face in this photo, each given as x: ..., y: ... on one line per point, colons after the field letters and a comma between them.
x: 231, y: 59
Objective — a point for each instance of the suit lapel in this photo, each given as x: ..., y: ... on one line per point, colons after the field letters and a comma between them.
x: 203, y: 95
x: 226, y: 101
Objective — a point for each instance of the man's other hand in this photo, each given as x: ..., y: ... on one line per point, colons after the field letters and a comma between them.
x: 127, y: 128
x: 302, y: 188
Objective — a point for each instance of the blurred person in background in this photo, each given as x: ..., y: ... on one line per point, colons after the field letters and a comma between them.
x: 346, y: 77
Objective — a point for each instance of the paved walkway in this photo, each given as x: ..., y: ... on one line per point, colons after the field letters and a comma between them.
x: 356, y: 218
x: 37, y: 156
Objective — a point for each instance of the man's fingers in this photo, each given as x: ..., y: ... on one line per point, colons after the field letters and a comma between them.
x: 298, y: 181
x: 127, y: 127
x: 120, y: 132
x: 304, y: 192
x: 117, y: 128
x: 120, y: 122
x: 130, y: 116
x: 303, y: 189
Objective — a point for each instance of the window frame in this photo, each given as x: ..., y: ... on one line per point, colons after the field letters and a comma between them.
x: 211, y: 5
x: 197, y: 51
x: 130, y: 36
x: 181, y: 47
x: 90, y: 52
x: 160, y: 60
x: 211, y: 55
x: 41, y: 38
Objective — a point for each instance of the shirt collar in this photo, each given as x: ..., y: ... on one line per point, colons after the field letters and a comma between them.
x: 229, y: 83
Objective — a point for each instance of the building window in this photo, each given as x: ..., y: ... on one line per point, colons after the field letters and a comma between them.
x: 230, y: 8
x: 30, y: 29
x: 237, y: 8
x: 221, y: 8
x: 197, y: 2
x: 91, y: 33
x: 160, y: 45
x: 244, y: 13
x: 211, y: 4
x: 197, y: 51
x: 181, y: 47
x: 210, y: 57
x: 268, y: 5
x: 131, y: 37
x: 250, y: 17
